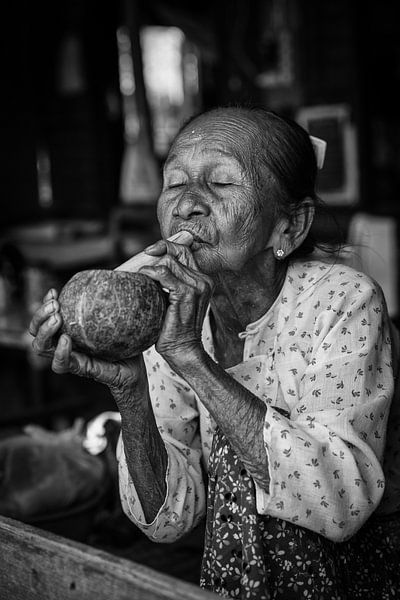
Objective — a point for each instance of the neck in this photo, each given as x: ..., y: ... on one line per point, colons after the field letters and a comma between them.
x: 242, y: 297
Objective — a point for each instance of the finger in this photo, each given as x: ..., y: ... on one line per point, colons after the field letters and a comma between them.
x: 46, y: 353
x: 179, y: 251
x: 50, y: 295
x: 199, y: 281
x: 94, y: 368
x: 181, y: 270
x: 62, y: 362
x: 169, y: 271
x: 67, y: 360
x: 157, y: 249
x: 43, y: 313
x: 183, y: 254
x: 44, y: 340
x: 180, y: 288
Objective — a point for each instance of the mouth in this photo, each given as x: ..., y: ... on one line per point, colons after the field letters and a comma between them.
x: 196, y: 245
x: 197, y: 239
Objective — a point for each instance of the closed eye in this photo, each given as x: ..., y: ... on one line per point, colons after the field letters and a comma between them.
x: 221, y: 183
x: 175, y: 185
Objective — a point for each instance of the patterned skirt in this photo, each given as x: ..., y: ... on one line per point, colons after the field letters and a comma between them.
x: 257, y: 557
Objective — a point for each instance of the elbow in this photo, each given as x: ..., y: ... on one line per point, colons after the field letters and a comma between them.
x: 167, y: 527
x: 173, y: 530
x: 337, y: 531
x: 156, y: 531
x: 338, y: 535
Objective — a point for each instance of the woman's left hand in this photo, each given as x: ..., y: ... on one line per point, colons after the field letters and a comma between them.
x: 189, y: 296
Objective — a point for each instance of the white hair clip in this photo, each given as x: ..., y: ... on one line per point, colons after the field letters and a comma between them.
x: 319, y: 149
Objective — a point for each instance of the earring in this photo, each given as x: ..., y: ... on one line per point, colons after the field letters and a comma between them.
x: 280, y: 253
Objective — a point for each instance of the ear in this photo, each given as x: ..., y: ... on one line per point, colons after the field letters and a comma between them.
x: 291, y: 231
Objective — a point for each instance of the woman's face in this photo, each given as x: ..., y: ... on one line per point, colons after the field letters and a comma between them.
x: 208, y: 190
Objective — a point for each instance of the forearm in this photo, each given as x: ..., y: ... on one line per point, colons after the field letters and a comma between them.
x: 239, y: 413
x: 145, y: 452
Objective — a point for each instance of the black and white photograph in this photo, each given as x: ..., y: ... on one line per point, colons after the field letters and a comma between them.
x: 200, y: 300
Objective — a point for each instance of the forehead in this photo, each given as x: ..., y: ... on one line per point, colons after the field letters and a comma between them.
x: 218, y: 137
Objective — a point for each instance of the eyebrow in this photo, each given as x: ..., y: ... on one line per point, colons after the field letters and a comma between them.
x: 174, y: 156
x: 170, y: 158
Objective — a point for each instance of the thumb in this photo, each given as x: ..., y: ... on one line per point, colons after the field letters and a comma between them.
x: 157, y: 249
x: 182, y: 254
x: 66, y: 360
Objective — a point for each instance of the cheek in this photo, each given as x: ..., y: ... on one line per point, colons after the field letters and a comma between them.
x: 164, y: 216
x: 243, y: 222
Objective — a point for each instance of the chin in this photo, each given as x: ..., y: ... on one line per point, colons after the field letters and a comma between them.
x: 208, y: 264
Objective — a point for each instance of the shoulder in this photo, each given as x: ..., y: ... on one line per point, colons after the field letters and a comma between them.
x: 331, y: 280
x: 333, y: 295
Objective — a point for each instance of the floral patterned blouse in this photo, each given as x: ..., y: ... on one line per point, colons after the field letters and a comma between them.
x: 323, y: 354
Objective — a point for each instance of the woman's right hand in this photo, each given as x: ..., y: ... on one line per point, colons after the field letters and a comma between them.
x: 121, y: 377
x: 144, y: 448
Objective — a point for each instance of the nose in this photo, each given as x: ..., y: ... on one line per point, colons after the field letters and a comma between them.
x: 189, y: 205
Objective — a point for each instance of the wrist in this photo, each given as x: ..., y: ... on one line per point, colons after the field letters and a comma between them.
x: 188, y: 360
x: 132, y: 393
x: 127, y: 375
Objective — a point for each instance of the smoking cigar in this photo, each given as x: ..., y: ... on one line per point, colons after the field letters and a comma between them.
x: 142, y: 259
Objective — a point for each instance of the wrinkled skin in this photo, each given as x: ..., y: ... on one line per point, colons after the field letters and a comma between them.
x: 209, y: 189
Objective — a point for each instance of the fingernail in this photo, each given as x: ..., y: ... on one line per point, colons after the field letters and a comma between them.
x: 53, y: 320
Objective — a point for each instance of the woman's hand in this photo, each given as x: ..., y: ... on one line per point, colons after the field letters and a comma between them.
x: 144, y: 448
x: 189, y: 295
x: 121, y: 377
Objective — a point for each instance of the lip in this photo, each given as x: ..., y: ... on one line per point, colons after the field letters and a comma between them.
x: 196, y: 245
x: 197, y: 239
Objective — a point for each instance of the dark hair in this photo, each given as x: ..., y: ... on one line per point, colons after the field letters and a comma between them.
x: 279, y: 148
x: 284, y: 149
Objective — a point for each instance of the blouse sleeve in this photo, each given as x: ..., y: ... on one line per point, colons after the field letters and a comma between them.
x: 175, y: 408
x: 325, y: 459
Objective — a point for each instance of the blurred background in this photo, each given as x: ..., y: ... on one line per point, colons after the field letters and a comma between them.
x: 93, y: 93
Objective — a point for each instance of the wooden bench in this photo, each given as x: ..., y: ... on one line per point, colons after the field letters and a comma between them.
x: 37, y: 565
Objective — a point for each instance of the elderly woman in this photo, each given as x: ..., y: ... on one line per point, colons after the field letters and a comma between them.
x: 272, y: 372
